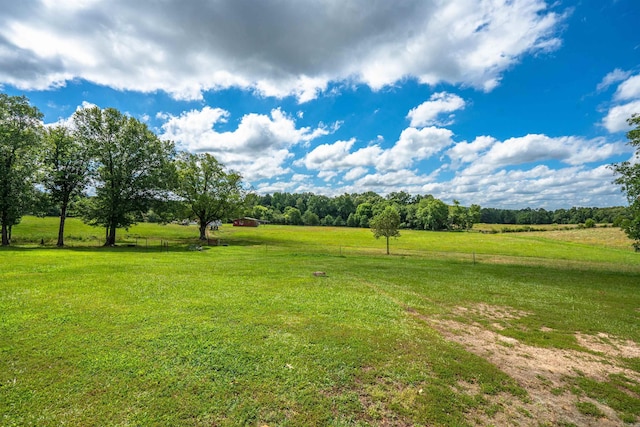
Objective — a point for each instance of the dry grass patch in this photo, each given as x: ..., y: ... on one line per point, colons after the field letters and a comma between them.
x: 608, y: 345
x: 610, y: 237
x: 547, y: 374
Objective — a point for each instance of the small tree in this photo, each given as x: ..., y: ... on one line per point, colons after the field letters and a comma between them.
x: 386, y: 224
x: 207, y: 189
x: 629, y: 179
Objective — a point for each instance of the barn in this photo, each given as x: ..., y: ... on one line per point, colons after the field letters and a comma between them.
x: 246, y: 222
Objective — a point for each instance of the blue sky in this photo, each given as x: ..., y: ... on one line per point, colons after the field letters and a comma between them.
x: 502, y: 103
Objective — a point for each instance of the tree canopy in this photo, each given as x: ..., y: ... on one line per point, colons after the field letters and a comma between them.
x: 385, y: 224
x: 209, y: 192
x: 20, y: 126
x: 131, y: 167
x: 66, y: 170
x: 629, y: 179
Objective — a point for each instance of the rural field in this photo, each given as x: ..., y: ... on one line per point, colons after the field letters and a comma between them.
x: 451, y: 329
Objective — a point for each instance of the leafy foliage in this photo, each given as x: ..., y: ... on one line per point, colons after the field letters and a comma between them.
x: 629, y: 179
x: 386, y: 224
x: 66, y: 166
x: 19, y: 141
x: 131, y: 167
x: 209, y: 192
x: 433, y: 213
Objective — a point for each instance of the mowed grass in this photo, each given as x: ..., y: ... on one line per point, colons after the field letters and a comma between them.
x: 245, y: 334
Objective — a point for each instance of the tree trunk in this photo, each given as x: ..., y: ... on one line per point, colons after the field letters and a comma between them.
x: 63, y: 216
x: 387, y: 245
x: 203, y: 231
x: 5, y: 235
x: 111, y: 236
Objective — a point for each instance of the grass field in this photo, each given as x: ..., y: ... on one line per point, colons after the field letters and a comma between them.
x: 533, y: 328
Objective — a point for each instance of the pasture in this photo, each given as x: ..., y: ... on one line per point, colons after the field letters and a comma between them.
x: 535, y: 328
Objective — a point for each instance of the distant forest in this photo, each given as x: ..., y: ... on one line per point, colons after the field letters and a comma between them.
x: 416, y: 212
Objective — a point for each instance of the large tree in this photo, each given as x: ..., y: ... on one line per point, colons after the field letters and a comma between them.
x: 66, y: 167
x: 210, y: 192
x: 20, y: 125
x: 629, y: 179
x: 386, y: 224
x: 131, y: 167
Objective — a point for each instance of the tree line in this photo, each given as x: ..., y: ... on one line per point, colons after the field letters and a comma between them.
x: 420, y: 212
x: 109, y: 168
x: 358, y: 209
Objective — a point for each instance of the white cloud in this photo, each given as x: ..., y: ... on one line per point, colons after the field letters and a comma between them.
x: 339, y: 156
x: 538, y: 187
x: 629, y: 89
x: 327, y: 175
x: 613, y: 77
x: 381, y: 182
x: 276, y: 187
x: 331, y: 155
x: 464, y: 152
x: 428, y: 112
x: 616, y: 118
x: 486, y: 154
x: 355, y: 173
x: 627, y: 96
x: 258, y: 148
x: 300, y: 177
x: 289, y: 48
x: 413, y: 145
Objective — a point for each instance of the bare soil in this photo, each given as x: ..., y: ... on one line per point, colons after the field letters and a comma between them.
x: 545, y: 373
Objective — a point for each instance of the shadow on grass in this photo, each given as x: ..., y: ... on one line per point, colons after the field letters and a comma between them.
x: 191, y: 246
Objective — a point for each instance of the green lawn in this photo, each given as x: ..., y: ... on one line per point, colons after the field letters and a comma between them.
x: 245, y: 334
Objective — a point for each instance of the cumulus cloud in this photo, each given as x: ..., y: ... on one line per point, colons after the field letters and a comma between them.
x: 382, y: 182
x: 413, y: 146
x: 355, y: 173
x: 537, y: 187
x: 467, y: 152
x: 289, y: 48
x: 616, y: 118
x: 629, y: 89
x: 485, y: 154
x: 429, y: 112
x: 626, y: 103
x: 258, y: 148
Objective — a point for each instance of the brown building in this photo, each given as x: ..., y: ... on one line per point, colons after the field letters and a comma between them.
x: 246, y: 222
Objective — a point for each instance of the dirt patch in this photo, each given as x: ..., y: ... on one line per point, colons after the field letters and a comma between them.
x: 608, y: 345
x: 542, y: 372
x: 493, y: 312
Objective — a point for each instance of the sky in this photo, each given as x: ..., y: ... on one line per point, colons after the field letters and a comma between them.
x: 502, y: 103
